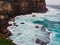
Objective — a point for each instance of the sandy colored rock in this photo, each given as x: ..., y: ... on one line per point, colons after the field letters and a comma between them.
x: 5, y: 6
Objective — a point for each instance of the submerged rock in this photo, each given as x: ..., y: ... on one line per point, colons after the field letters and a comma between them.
x: 37, y: 27
x: 38, y: 41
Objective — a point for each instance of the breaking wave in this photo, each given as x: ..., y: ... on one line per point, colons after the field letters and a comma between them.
x: 45, y: 27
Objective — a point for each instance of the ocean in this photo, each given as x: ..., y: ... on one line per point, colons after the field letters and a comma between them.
x: 37, y: 25
x: 54, y: 6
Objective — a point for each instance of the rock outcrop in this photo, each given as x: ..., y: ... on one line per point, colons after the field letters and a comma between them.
x: 12, y: 8
x: 4, y: 25
x: 19, y: 7
x: 28, y: 6
x: 5, y: 14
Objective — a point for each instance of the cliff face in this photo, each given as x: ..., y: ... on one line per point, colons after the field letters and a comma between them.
x: 12, y: 8
x: 29, y: 6
x: 17, y: 7
x: 38, y: 6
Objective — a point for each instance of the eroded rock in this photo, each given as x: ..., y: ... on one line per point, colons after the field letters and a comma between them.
x: 12, y: 8
x: 3, y: 25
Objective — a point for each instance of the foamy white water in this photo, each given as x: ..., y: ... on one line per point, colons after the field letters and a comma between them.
x: 26, y: 34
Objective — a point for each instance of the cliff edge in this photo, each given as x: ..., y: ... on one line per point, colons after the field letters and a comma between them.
x: 12, y: 8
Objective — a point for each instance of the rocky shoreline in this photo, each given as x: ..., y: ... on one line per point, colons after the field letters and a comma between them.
x: 19, y: 29
x: 11, y: 8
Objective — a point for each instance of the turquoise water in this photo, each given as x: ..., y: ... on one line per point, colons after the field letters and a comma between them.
x: 51, y: 25
x: 50, y: 21
x: 54, y: 27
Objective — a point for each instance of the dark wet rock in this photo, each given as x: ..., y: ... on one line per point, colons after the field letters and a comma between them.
x: 22, y: 23
x: 9, y: 24
x: 15, y: 24
x: 14, y: 44
x: 38, y: 41
x: 43, y: 28
x: 5, y: 32
x: 43, y: 44
x: 49, y: 32
x: 36, y: 26
x: 33, y: 15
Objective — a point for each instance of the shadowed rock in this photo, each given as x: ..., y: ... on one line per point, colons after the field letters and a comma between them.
x: 3, y: 25
x: 38, y: 41
x: 18, y: 7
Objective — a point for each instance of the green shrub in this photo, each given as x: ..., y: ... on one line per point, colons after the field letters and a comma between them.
x: 4, y: 41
